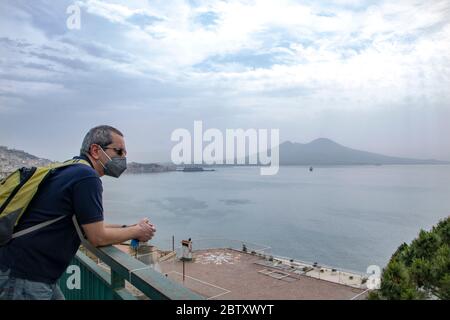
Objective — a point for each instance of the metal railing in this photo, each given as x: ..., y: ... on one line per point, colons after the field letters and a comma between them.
x: 224, y: 243
x: 97, y: 284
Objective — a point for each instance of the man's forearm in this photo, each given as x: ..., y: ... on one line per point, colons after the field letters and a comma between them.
x: 108, y: 225
x: 115, y: 235
x: 99, y: 235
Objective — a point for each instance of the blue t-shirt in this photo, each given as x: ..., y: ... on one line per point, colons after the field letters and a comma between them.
x: 43, y: 255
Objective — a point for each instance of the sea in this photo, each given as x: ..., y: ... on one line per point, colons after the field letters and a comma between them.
x: 348, y: 217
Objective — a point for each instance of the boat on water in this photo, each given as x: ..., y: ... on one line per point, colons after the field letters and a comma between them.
x: 311, y: 169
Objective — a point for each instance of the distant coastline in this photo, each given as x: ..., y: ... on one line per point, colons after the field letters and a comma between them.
x: 321, y: 152
x: 138, y: 168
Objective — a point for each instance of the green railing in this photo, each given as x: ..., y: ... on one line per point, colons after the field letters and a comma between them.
x: 94, y: 283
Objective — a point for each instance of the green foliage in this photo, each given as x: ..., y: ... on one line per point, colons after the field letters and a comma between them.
x: 444, y: 287
x: 420, y: 270
x: 374, y: 295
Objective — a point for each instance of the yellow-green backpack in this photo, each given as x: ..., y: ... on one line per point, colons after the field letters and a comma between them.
x: 16, y: 192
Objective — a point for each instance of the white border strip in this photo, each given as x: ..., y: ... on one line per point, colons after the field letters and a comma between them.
x: 204, y: 282
x: 359, y: 294
x: 284, y: 274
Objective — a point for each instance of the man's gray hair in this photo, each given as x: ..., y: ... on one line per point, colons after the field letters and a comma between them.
x: 100, y: 135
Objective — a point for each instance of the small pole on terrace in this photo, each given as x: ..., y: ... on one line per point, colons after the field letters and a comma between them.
x: 186, y: 247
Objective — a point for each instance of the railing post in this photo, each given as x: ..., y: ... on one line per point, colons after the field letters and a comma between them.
x: 117, y: 282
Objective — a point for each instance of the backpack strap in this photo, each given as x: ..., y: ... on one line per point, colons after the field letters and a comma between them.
x: 35, y: 227
x: 69, y: 162
x: 83, y: 239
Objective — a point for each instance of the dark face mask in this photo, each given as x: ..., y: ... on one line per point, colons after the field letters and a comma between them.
x: 115, y: 166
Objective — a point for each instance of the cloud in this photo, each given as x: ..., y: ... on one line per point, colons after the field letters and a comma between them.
x: 27, y: 88
x: 227, y: 62
x: 267, y: 45
x: 118, y: 13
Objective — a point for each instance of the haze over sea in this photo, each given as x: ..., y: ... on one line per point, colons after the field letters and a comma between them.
x: 348, y: 216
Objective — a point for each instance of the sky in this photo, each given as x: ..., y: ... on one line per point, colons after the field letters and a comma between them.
x: 371, y: 75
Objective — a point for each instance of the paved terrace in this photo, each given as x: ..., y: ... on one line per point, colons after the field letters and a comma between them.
x: 231, y: 274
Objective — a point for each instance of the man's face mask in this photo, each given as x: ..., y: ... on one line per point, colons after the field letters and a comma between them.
x: 115, y: 166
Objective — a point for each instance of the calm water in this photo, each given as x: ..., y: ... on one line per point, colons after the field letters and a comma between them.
x: 349, y: 217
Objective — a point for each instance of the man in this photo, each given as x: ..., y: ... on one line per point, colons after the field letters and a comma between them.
x: 30, y: 265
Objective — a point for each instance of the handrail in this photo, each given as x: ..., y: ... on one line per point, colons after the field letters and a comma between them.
x: 150, y: 282
x: 103, y: 288
x: 225, y: 244
x: 126, y: 268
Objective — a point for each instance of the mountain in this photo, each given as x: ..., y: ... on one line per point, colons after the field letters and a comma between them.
x: 12, y: 159
x: 324, y: 151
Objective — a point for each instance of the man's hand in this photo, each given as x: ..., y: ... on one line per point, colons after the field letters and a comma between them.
x: 144, y: 230
x: 99, y: 235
